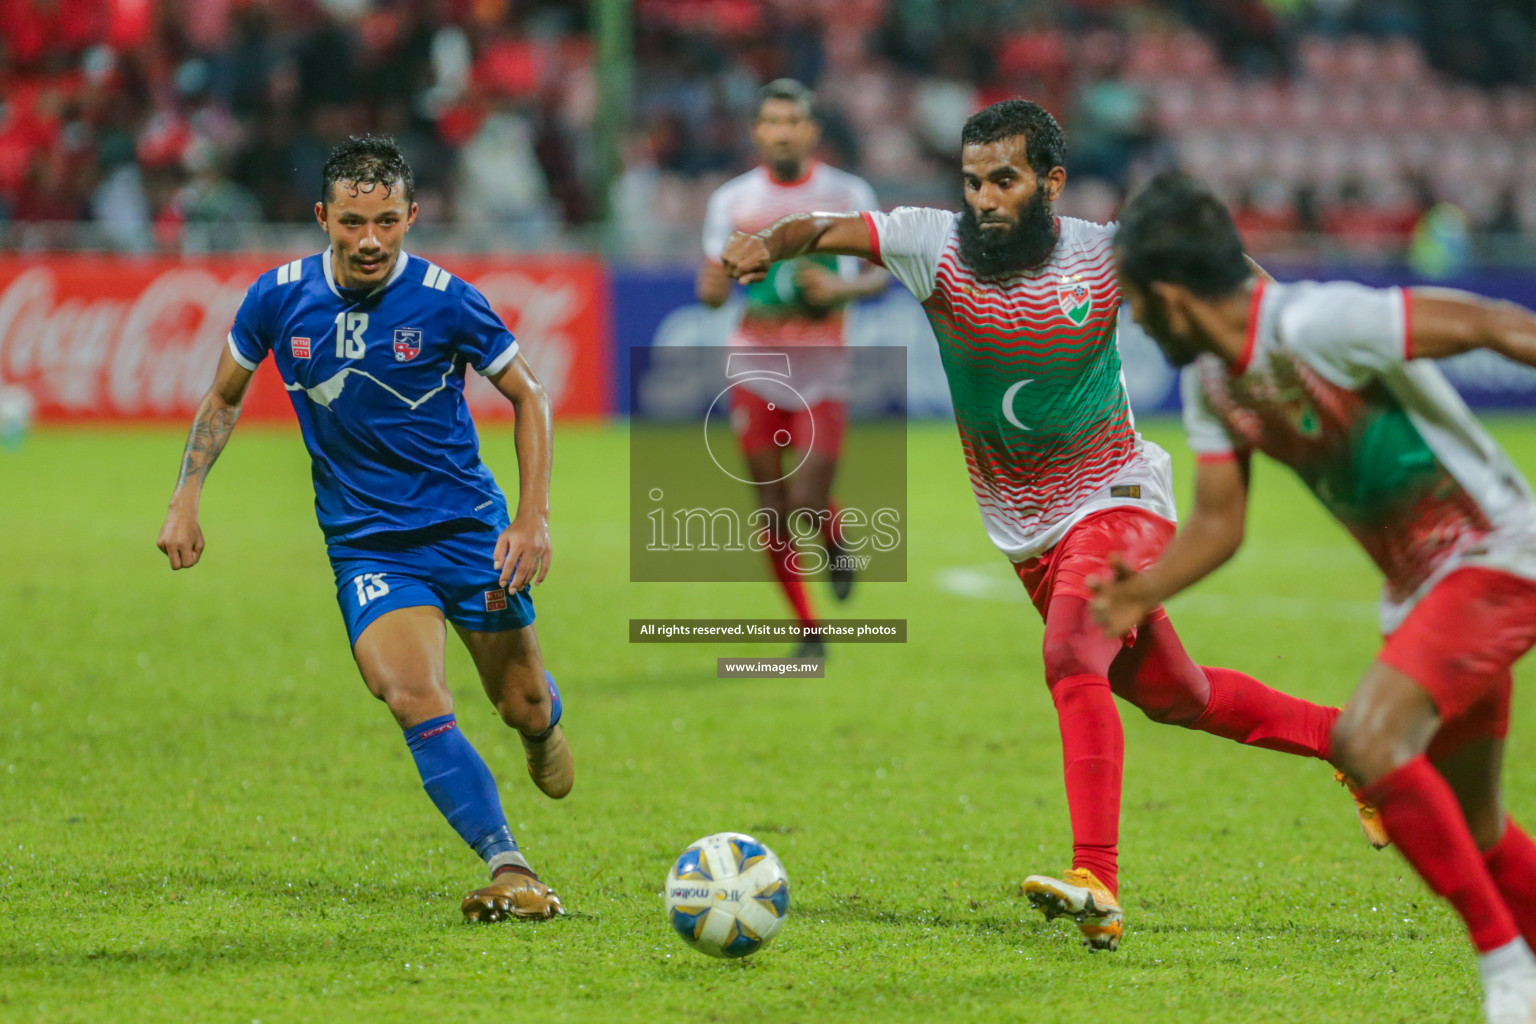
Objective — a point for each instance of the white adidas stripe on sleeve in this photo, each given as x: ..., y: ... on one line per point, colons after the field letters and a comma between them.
x: 235, y: 351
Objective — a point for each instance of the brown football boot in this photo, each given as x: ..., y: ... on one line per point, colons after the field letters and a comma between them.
x: 550, y: 764
x: 512, y: 894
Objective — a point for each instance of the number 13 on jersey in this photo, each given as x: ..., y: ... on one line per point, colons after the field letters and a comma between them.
x: 349, y: 335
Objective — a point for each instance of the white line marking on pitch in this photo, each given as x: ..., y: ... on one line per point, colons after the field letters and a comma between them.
x: 994, y: 582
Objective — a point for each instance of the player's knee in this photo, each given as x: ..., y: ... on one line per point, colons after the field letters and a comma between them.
x: 411, y: 701
x: 1067, y: 654
x: 1169, y: 706
x: 526, y: 711
x: 1486, y: 822
x: 1366, y: 750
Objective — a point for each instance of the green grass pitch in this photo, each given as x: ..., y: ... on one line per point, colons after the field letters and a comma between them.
x: 203, y: 816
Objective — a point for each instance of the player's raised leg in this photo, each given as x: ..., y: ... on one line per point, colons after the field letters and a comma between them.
x: 512, y: 671
x: 1157, y: 675
x: 400, y: 655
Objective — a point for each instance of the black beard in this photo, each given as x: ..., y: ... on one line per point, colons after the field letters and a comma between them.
x: 995, y: 253
x: 787, y: 170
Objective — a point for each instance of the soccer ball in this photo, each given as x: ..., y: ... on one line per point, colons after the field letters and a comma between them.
x: 727, y: 895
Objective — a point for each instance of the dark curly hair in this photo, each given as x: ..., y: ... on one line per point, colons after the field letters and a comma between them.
x: 368, y: 160
x: 1045, y: 142
x: 1176, y: 230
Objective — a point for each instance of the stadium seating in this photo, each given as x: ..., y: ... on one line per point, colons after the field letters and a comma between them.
x: 146, y: 125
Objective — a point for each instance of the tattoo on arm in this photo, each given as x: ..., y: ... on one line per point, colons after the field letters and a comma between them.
x: 210, y: 432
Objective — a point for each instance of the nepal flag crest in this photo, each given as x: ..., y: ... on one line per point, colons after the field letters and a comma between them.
x: 407, y: 344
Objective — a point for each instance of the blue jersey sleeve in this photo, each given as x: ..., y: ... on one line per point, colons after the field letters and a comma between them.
x: 250, y: 339
x: 482, y: 339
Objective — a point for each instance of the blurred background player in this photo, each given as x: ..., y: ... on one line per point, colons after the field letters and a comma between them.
x: 372, y: 345
x: 1025, y: 308
x: 799, y: 309
x: 1334, y: 381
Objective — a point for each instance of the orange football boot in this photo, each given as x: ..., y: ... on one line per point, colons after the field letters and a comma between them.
x: 1081, y: 896
x: 1370, y: 817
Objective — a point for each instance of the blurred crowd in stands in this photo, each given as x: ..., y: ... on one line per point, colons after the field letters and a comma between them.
x: 1345, y: 117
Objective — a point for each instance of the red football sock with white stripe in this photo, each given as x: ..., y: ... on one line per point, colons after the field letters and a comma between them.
x: 1512, y: 864
x: 1425, y: 822
x: 1093, y: 755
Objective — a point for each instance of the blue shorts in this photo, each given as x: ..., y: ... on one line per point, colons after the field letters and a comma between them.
x: 450, y: 567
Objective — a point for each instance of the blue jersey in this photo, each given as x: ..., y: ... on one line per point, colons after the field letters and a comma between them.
x: 377, y: 381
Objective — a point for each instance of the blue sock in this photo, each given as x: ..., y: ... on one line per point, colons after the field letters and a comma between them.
x: 555, y: 707
x: 459, y: 783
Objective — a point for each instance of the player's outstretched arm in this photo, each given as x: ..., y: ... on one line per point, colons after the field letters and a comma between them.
x: 748, y: 257
x: 1444, y: 322
x: 1211, y: 534
x: 823, y: 289
x: 181, y: 538
x: 712, y: 286
x: 523, y: 549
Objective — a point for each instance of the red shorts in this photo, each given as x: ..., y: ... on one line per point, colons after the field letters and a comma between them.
x: 1459, y: 643
x: 761, y: 424
x: 1135, y: 534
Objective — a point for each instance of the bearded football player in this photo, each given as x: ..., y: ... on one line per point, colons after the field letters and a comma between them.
x: 1025, y: 309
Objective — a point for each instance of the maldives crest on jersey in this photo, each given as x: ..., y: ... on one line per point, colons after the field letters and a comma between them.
x: 1075, y: 297
x: 407, y: 343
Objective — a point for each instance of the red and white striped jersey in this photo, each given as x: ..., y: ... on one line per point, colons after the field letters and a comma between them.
x: 1034, y: 371
x: 1328, y: 385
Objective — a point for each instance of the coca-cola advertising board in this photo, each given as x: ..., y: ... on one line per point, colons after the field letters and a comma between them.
x: 112, y: 337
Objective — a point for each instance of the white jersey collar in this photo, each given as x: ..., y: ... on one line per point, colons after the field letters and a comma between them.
x: 330, y: 274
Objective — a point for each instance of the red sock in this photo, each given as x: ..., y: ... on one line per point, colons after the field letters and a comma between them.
x: 1512, y: 864
x: 1244, y: 709
x: 779, y: 556
x: 1425, y: 822
x: 1093, y: 756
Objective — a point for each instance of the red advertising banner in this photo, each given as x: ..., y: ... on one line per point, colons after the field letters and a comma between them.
x: 114, y: 337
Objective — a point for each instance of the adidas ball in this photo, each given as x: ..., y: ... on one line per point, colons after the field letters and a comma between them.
x: 727, y: 895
